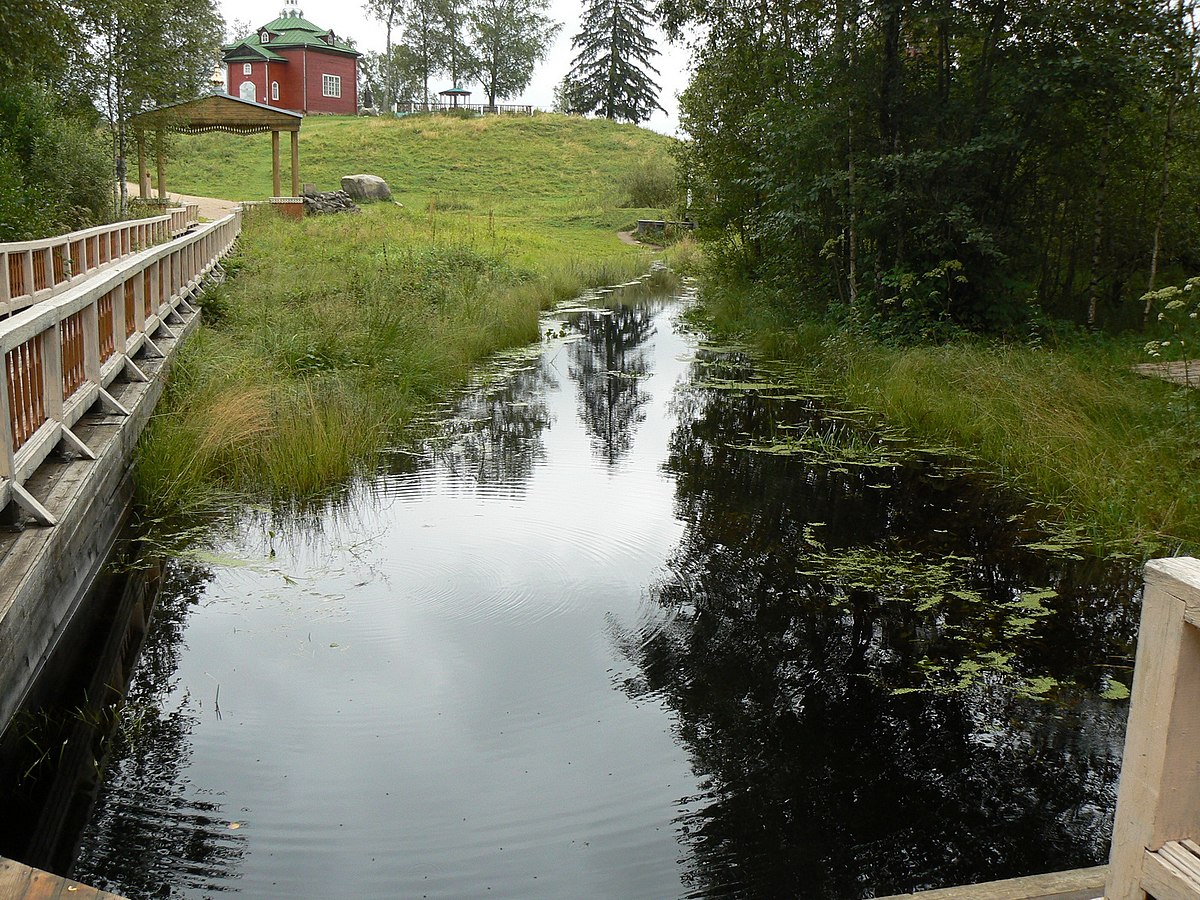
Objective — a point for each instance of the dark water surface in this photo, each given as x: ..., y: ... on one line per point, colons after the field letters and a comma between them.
x: 641, y: 625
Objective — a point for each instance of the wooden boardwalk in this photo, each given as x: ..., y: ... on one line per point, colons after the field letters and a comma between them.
x: 1078, y: 884
x: 19, y: 882
x: 1179, y: 372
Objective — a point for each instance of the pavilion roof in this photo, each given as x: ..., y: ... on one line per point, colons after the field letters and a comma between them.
x: 217, y: 112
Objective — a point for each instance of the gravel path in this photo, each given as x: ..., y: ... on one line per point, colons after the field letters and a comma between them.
x: 211, y: 208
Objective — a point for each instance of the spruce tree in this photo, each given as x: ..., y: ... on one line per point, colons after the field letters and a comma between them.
x: 611, y: 68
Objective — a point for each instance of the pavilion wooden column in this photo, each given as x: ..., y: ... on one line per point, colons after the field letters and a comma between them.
x: 275, y: 184
x: 162, y: 165
x: 143, y: 174
x: 295, y: 163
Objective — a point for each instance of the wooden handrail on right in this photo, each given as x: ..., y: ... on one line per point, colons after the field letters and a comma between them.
x: 1156, y: 834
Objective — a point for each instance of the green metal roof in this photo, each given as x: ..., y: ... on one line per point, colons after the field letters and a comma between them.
x: 286, y: 31
x: 247, y: 51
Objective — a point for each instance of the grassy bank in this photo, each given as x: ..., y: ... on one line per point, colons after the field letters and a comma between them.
x: 1069, y: 423
x: 333, y: 334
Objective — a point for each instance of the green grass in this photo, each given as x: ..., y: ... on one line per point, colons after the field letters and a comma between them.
x: 1070, y: 425
x: 335, y: 333
x: 557, y: 170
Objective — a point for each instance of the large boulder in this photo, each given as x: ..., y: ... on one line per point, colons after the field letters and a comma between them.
x: 365, y: 188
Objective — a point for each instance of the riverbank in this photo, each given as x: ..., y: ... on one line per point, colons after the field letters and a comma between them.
x: 334, y: 334
x: 1066, y: 421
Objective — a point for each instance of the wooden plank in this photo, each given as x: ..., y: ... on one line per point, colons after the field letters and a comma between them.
x: 1076, y: 884
x: 1164, y: 880
x: 1178, y: 856
x: 1159, y: 795
x: 20, y: 882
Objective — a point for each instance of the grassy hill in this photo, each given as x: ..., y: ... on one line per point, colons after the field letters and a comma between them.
x: 337, y: 331
x: 549, y: 166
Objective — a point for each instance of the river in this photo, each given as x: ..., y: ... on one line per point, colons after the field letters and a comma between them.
x: 644, y: 620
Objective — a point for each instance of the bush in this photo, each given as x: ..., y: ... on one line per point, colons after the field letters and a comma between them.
x: 651, y: 184
x: 55, y: 168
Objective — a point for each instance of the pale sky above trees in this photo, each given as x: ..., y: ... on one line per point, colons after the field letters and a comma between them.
x: 349, y: 20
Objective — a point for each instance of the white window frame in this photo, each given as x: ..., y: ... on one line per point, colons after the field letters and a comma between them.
x: 264, y: 37
x: 331, y: 85
x: 247, y: 68
x: 274, y: 90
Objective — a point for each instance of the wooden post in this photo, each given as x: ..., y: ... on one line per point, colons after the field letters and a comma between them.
x: 1159, y: 795
x: 162, y: 166
x: 52, y: 374
x: 143, y: 174
x: 275, y: 162
x: 7, y: 460
x: 295, y: 163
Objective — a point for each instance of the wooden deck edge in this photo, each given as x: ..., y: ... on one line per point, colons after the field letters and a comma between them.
x: 19, y: 881
x: 1077, y: 884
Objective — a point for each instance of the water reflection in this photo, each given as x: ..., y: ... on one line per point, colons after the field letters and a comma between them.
x: 156, y: 833
x: 495, y: 435
x: 821, y: 779
x: 832, y: 651
x: 608, y: 363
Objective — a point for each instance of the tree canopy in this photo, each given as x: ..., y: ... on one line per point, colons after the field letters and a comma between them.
x: 494, y: 42
x: 510, y: 37
x: 65, y: 67
x: 969, y: 162
x: 610, y: 73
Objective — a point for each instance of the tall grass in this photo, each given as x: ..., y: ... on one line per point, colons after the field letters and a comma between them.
x: 1070, y: 425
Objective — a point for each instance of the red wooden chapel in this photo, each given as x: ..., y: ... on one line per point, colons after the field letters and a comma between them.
x: 293, y: 64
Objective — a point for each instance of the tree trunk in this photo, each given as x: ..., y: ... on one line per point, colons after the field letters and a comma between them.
x: 1098, y: 230
x: 851, y: 175
x: 1163, y: 196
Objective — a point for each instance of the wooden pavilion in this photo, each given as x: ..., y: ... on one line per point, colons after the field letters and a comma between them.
x: 455, y: 94
x: 218, y: 112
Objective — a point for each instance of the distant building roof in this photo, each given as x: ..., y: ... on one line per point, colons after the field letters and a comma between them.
x: 291, y: 29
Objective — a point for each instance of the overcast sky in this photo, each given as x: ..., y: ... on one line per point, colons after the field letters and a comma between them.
x: 346, y: 17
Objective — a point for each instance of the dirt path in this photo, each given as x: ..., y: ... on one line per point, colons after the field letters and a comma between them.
x: 211, y: 208
x: 628, y: 238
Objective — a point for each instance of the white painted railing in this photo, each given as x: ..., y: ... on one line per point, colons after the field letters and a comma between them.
x: 33, y: 271
x: 1156, y: 835
x: 60, y: 356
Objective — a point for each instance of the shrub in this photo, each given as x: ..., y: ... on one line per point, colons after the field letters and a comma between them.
x: 54, y: 168
x: 651, y: 184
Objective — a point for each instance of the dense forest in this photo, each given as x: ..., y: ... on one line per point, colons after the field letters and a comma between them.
x: 934, y: 164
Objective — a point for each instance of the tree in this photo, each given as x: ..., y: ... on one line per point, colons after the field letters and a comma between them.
x: 567, y: 99
x: 379, y: 69
x: 390, y: 79
x: 510, y: 37
x: 458, y: 55
x: 147, y: 53
x: 36, y: 38
x: 610, y: 69
x: 948, y: 163
x: 422, y: 42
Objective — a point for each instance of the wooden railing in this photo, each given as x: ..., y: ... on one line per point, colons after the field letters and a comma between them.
x: 501, y: 109
x: 60, y: 356
x: 33, y: 271
x: 1156, y: 834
